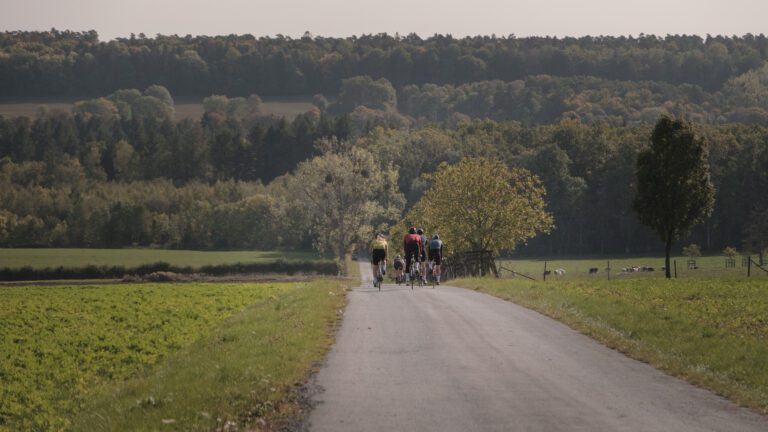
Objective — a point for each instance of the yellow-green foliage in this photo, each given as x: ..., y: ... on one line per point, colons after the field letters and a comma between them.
x: 480, y: 204
x: 712, y: 332
x: 66, y: 348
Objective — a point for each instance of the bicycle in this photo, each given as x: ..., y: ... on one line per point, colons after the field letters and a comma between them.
x: 381, y: 270
x: 400, y: 278
x: 414, y: 272
x: 430, y: 272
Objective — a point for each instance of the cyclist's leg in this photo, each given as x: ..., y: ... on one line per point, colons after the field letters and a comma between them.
x: 408, y: 265
x: 423, y: 258
x: 374, y: 267
x: 409, y: 255
x: 377, y: 256
x: 375, y: 260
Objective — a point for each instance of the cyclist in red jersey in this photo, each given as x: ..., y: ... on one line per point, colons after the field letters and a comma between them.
x: 413, y: 247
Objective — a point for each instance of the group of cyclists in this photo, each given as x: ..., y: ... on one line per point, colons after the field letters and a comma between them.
x: 418, y: 250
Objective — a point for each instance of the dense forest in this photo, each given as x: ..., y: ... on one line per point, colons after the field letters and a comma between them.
x: 118, y: 171
x: 80, y: 180
x: 56, y: 62
x: 619, y: 79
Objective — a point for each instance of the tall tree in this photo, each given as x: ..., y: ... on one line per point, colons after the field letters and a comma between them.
x: 480, y: 204
x: 345, y: 191
x: 674, y: 191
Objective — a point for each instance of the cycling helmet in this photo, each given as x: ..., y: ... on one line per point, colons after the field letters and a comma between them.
x: 436, y: 237
x: 420, y: 231
x: 412, y: 230
x: 398, y: 257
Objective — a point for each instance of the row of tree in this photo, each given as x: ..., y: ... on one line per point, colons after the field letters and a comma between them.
x: 332, y: 202
x: 229, y: 215
x: 109, y: 146
x: 549, y: 99
x: 74, y: 63
x: 588, y: 171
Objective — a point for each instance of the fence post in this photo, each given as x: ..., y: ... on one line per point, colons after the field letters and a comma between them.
x: 749, y: 266
x: 675, y: 261
x: 545, y: 271
x: 608, y: 269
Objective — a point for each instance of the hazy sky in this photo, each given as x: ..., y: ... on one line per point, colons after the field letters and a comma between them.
x: 354, y: 17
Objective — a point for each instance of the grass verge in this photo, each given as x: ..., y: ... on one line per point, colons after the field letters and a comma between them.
x: 711, y: 333
x: 116, y: 272
x: 245, y: 375
x: 579, y: 267
x: 128, y: 357
x: 73, y: 257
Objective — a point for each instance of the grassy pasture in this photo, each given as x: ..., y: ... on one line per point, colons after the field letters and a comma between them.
x: 709, y: 331
x: 708, y: 266
x: 150, y: 357
x: 288, y: 107
x: 44, y: 258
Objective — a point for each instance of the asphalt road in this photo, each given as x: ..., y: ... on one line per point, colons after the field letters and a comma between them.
x: 451, y: 359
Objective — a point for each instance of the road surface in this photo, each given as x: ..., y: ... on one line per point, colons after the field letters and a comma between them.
x: 451, y: 359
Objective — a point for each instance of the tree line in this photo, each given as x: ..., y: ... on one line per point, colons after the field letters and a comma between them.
x: 230, y: 182
x: 126, y: 137
x: 549, y: 99
x: 57, y: 63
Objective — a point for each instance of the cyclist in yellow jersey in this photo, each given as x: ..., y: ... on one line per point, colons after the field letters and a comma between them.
x: 379, y: 249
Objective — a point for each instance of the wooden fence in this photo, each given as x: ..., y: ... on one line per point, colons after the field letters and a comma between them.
x: 471, y: 263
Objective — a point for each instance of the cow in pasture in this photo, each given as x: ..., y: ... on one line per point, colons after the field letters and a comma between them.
x: 559, y: 272
x: 593, y: 270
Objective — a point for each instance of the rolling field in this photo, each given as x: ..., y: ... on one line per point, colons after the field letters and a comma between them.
x: 708, y: 266
x: 150, y: 356
x: 288, y: 107
x: 709, y: 331
x: 43, y: 258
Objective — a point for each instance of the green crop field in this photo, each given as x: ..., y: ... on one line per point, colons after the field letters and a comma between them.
x: 711, y: 331
x: 42, y: 258
x: 707, y: 266
x: 288, y: 107
x: 137, y: 357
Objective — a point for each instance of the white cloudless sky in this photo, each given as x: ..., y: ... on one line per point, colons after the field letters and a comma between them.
x: 337, y: 18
